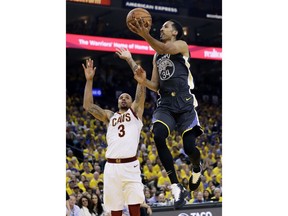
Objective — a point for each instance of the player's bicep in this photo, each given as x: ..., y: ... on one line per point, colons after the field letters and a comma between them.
x: 99, y: 113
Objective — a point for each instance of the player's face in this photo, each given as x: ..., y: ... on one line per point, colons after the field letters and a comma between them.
x: 166, y: 31
x: 124, y: 101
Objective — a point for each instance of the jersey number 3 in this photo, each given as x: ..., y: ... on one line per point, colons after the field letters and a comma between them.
x: 121, y: 130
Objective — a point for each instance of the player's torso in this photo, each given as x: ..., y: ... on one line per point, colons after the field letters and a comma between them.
x: 123, y: 135
x: 173, y: 72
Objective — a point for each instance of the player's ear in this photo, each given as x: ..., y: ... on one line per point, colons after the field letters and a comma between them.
x: 174, y: 33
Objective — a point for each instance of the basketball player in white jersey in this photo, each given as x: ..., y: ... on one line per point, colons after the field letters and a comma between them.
x: 122, y: 175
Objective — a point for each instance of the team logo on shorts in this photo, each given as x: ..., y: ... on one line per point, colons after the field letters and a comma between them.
x: 166, y: 68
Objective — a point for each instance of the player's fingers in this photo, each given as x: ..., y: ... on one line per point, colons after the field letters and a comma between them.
x: 137, y: 23
x: 149, y: 25
x: 141, y: 22
x: 83, y: 66
x: 133, y: 27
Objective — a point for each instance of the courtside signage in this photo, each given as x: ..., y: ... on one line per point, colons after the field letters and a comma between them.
x: 134, y: 46
x: 158, y: 7
x: 100, y: 2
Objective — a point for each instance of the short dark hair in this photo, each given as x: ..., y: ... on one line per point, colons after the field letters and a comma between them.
x: 178, y: 27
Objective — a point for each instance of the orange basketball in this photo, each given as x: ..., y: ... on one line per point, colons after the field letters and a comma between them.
x: 138, y: 13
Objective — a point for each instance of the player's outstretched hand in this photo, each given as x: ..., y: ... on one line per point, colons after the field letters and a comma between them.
x: 89, y: 70
x: 123, y: 53
x: 139, y: 28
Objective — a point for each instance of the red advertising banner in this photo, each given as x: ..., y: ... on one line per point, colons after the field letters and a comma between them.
x: 100, y: 2
x: 134, y: 46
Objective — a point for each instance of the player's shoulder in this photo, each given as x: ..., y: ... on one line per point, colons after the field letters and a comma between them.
x: 134, y: 112
x: 181, y: 42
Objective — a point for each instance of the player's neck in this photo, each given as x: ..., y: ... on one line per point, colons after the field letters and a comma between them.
x: 121, y: 111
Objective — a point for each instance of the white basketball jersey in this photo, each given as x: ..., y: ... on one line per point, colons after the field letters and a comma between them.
x: 123, y: 134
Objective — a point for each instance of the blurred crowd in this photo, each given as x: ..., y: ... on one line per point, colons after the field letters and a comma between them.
x: 86, y: 147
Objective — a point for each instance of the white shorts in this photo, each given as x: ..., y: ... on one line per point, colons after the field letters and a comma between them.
x: 122, y: 185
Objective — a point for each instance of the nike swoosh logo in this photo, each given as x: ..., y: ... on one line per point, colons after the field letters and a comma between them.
x: 135, y: 165
x: 187, y: 99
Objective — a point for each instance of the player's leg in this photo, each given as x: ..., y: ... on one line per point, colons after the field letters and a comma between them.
x: 134, y: 210
x: 190, y: 130
x: 116, y: 213
x: 163, y: 123
x: 113, y: 195
x: 133, y: 188
x: 160, y: 132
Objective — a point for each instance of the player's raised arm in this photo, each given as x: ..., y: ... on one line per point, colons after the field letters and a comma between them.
x: 164, y: 46
x: 126, y: 55
x: 138, y: 103
x: 140, y: 77
x: 88, y: 104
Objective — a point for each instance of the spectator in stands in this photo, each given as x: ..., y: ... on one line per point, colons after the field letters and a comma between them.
x: 210, y: 187
x: 161, y: 201
x: 154, y: 198
x: 199, y: 198
x: 147, y: 194
x: 100, y: 190
x: 218, y: 160
x: 97, y: 205
x: 79, y: 195
x: 204, y: 182
x: 85, y: 162
x: 175, y: 153
x: 76, y: 190
x: 86, y: 185
x: 75, y: 163
x: 185, y: 183
x: 181, y: 159
x: 86, y: 206
x: 218, y: 168
x: 206, y: 196
x: 150, y: 175
x: 74, y: 209
x: 98, y: 169
x: 214, y: 181
x: 217, y: 195
x: 208, y: 174
x: 71, y: 167
x: 81, y: 183
x: 70, y: 187
x: 164, y: 178
x: 152, y: 155
x: 94, y: 181
x: 193, y: 196
x: 68, y: 176
x: 70, y: 155
x: 87, y: 173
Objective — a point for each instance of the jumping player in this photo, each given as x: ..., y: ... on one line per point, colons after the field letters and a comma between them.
x: 122, y: 175
x: 172, y: 79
